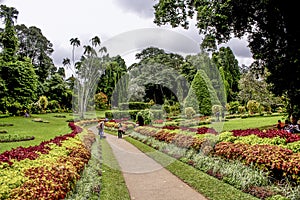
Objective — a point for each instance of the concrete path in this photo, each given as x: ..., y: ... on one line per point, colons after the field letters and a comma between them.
x: 145, y: 178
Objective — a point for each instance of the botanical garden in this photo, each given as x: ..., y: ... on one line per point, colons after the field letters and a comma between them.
x: 210, y: 122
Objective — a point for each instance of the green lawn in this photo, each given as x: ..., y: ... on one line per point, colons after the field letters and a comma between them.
x: 41, y: 131
x: 251, y: 122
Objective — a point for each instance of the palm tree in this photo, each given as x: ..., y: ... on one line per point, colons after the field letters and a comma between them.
x: 74, y: 42
x: 66, y: 61
x: 88, y: 50
x: 95, y: 41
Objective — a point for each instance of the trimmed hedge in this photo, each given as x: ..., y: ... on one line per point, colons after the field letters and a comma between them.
x: 117, y: 114
x: 134, y: 106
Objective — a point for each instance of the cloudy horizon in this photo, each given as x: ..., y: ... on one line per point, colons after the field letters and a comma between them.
x: 111, y: 20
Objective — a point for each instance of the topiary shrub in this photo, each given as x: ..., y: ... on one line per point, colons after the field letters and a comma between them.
x: 189, y: 112
x: 201, y: 95
x: 253, y: 106
x: 43, y: 102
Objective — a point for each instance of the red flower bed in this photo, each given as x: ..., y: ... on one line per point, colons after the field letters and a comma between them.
x: 270, y: 133
x: 280, y: 161
x: 165, y: 135
x: 21, y: 153
x: 201, y: 130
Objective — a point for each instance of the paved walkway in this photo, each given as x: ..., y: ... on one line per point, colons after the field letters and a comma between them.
x: 145, y: 178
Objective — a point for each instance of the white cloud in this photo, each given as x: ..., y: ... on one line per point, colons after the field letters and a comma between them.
x: 62, y: 20
x: 143, y: 8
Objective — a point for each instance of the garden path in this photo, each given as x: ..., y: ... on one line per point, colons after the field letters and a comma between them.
x: 145, y: 178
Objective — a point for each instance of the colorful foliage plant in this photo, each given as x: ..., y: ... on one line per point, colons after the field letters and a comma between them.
x: 281, y: 162
x: 270, y: 133
x: 200, y: 130
x: 166, y: 135
x: 46, y: 171
x: 32, y: 152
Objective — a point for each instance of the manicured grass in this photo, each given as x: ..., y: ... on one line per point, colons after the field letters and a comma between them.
x: 113, y: 186
x: 41, y: 131
x: 250, y: 122
x: 207, y: 185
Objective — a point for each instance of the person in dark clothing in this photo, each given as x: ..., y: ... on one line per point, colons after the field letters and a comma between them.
x: 141, y: 121
x: 295, y: 127
x: 120, y: 130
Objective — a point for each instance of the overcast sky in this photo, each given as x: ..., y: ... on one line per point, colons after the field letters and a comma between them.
x: 124, y: 27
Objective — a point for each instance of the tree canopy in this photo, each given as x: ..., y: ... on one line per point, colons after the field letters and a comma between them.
x: 269, y: 26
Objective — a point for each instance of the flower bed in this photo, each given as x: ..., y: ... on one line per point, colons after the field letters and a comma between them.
x: 280, y: 162
x: 45, y: 171
x: 272, y: 152
x: 187, y: 139
x: 270, y: 133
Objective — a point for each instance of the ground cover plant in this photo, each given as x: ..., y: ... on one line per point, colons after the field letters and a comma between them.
x: 175, y: 141
x: 45, y: 171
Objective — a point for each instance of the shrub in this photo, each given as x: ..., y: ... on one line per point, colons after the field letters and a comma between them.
x: 134, y: 106
x: 253, y: 106
x: 43, y: 102
x: 189, y: 112
x: 54, y: 106
x: 147, y: 116
x: 241, y: 109
x: 101, y: 100
x: 232, y: 107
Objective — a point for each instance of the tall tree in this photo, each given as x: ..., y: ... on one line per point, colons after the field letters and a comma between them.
x: 38, y: 48
x: 8, y: 39
x: 149, y: 52
x: 58, y: 90
x: 17, y: 77
x: 88, y: 70
x: 270, y: 26
x: 226, y: 62
x: 114, y: 71
x: 95, y: 41
x: 253, y: 88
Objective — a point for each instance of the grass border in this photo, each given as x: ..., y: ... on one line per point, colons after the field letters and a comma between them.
x: 113, y: 185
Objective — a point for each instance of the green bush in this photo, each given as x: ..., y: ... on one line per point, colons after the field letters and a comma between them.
x: 147, y: 115
x: 189, y: 112
x: 14, y: 108
x: 54, y: 106
x: 116, y: 114
x: 253, y: 106
x: 277, y: 197
x: 134, y: 106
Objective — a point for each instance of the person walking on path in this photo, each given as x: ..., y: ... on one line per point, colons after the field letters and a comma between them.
x: 100, y: 127
x: 120, y: 130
